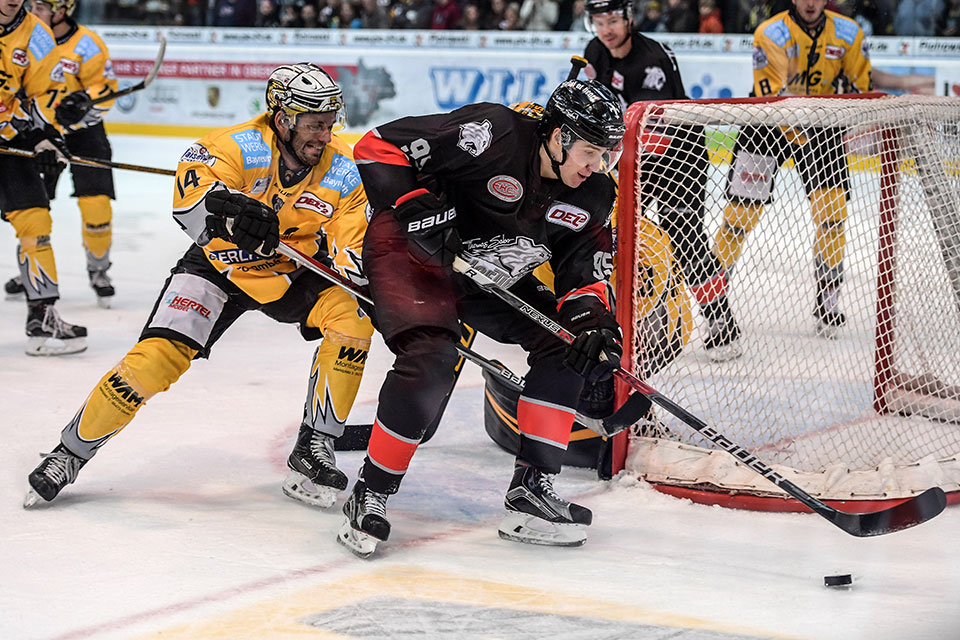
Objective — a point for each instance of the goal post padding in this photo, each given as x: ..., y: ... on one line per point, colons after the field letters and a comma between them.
x: 871, y: 416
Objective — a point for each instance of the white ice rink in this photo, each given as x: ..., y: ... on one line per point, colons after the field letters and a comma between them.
x: 178, y: 528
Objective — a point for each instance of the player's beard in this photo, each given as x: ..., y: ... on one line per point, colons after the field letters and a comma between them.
x: 304, y: 150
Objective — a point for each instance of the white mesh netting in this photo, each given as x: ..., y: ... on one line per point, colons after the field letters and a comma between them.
x: 873, y: 413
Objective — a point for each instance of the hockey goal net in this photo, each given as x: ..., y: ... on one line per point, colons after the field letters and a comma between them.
x: 871, y: 415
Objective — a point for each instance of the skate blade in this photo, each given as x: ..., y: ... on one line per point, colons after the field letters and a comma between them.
x: 40, y: 346
x: 726, y: 353
x: 31, y: 498
x: 523, y: 527
x: 302, y: 489
x: 104, y: 302
x: 359, y: 543
x: 828, y: 332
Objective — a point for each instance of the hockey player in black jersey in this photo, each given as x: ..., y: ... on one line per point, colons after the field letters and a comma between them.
x: 508, y: 192
x: 637, y: 68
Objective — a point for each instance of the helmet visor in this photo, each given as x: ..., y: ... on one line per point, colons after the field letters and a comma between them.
x: 596, y: 158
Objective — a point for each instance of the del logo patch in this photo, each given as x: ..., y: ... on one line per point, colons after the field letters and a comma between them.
x: 19, y: 57
x: 70, y: 66
x: 567, y: 215
x: 312, y: 203
x: 834, y: 53
x: 506, y: 188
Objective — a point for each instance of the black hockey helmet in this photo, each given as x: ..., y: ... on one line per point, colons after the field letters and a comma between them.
x: 596, y: 7
x: 585, y: 110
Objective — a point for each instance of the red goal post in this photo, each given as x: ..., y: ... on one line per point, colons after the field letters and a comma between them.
x: 869, y: 418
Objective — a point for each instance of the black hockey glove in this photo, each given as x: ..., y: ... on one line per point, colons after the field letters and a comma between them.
x: 73, y: 108
x: 247, y: 223
x: 595, y: 354
x: 51, y: 153
x: 431, y: 227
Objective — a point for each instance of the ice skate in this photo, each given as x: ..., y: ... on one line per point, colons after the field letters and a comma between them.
x: 58, y: 469
x: 102, y: 286
x: 314, y: 477
x: 537, y: 515
x: 49, y: 335
x: 829, y: 318
x: 14, y: 288
x: 366, y: 521
x: 722, y: 342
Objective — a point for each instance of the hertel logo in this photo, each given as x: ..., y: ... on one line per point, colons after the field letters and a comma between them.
x: 432, y: 221
x: 313, y: 203
x: 506, y: 188
x: 567, y: 215
x: 19, y: 57
x: 182, y: 303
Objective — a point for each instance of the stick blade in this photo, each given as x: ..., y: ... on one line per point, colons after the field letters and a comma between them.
x: 908, y: 513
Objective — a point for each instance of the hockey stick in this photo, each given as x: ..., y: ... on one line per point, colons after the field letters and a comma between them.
x: 92, y: 162
x: 576, y: 63
x: 357, y: 291
x: 143, y: 84
x: 909, y: 513
x: 632, y: 411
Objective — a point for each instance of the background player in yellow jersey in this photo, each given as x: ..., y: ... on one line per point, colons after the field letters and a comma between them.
x: 803, y: 51
x: 29, y: 71
x: 238, y: 191
x: 87, y: 73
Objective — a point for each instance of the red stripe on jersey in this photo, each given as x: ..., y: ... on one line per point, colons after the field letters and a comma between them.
x: 389, y: 452
x: 712, y: 289
x: 374, y: 148
x: 548, y: 423
x: 598, y: 289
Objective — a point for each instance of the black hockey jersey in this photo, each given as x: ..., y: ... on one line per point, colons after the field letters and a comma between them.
x: 648, y: 72
x: 485, y: 159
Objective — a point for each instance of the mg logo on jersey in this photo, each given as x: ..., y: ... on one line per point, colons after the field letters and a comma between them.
x: 567, y: 215
x: 506, y: 188
x: 311, y: 202
x: 475, y: 137
x: 833, y: 53
x: 19, y: 57
x: 70, y: 66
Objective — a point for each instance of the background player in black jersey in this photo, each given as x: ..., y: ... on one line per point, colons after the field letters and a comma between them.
x: 636, y: 68
x: 507, y: 192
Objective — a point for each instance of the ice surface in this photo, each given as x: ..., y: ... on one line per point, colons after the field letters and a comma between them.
x: 178, y: 528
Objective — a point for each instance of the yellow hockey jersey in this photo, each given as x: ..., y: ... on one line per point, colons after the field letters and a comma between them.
x: 789, y: 61
x: 86, y: 66
x: 322, y: 215
x: 28, y: 62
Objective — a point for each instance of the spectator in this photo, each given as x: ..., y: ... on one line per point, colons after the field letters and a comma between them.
x: 446, y: 15
x: 538, y: 15
x: 680, y: 17
x: 329, y: 16
x: 289, y: 17
x: 470, y: 19
x: 349, y: 18
x: 511, y: 18
x: 267, y: 14
x: 579, y: 16
x: 918, y: 17
x: 234, y: 13
x: 874, y: 17
x: 756, y: 13
x: 498, y: 9
x: 308, y: 17
x: 710, y: 17
x: 652, y: 19
x: 374, y: 15
x: 412, y: 14
x: 951, y: 19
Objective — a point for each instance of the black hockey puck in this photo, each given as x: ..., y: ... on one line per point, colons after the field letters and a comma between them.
x: 843, y: 580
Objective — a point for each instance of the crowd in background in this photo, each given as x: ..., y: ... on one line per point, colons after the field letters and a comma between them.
x: 876, y: 17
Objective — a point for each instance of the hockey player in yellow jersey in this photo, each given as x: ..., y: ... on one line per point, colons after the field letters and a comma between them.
x: 238, y: 191
x: 30, y: 74
x: 87, y: 73
x: 804, y: 51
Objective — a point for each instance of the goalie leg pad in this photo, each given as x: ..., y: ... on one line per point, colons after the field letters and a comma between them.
x: 38, y: 267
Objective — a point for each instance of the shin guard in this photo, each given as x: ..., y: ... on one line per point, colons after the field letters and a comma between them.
x: 38, y: 268
x: 97, y: 213
x: 149, y: 368
x: 334, y: 380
